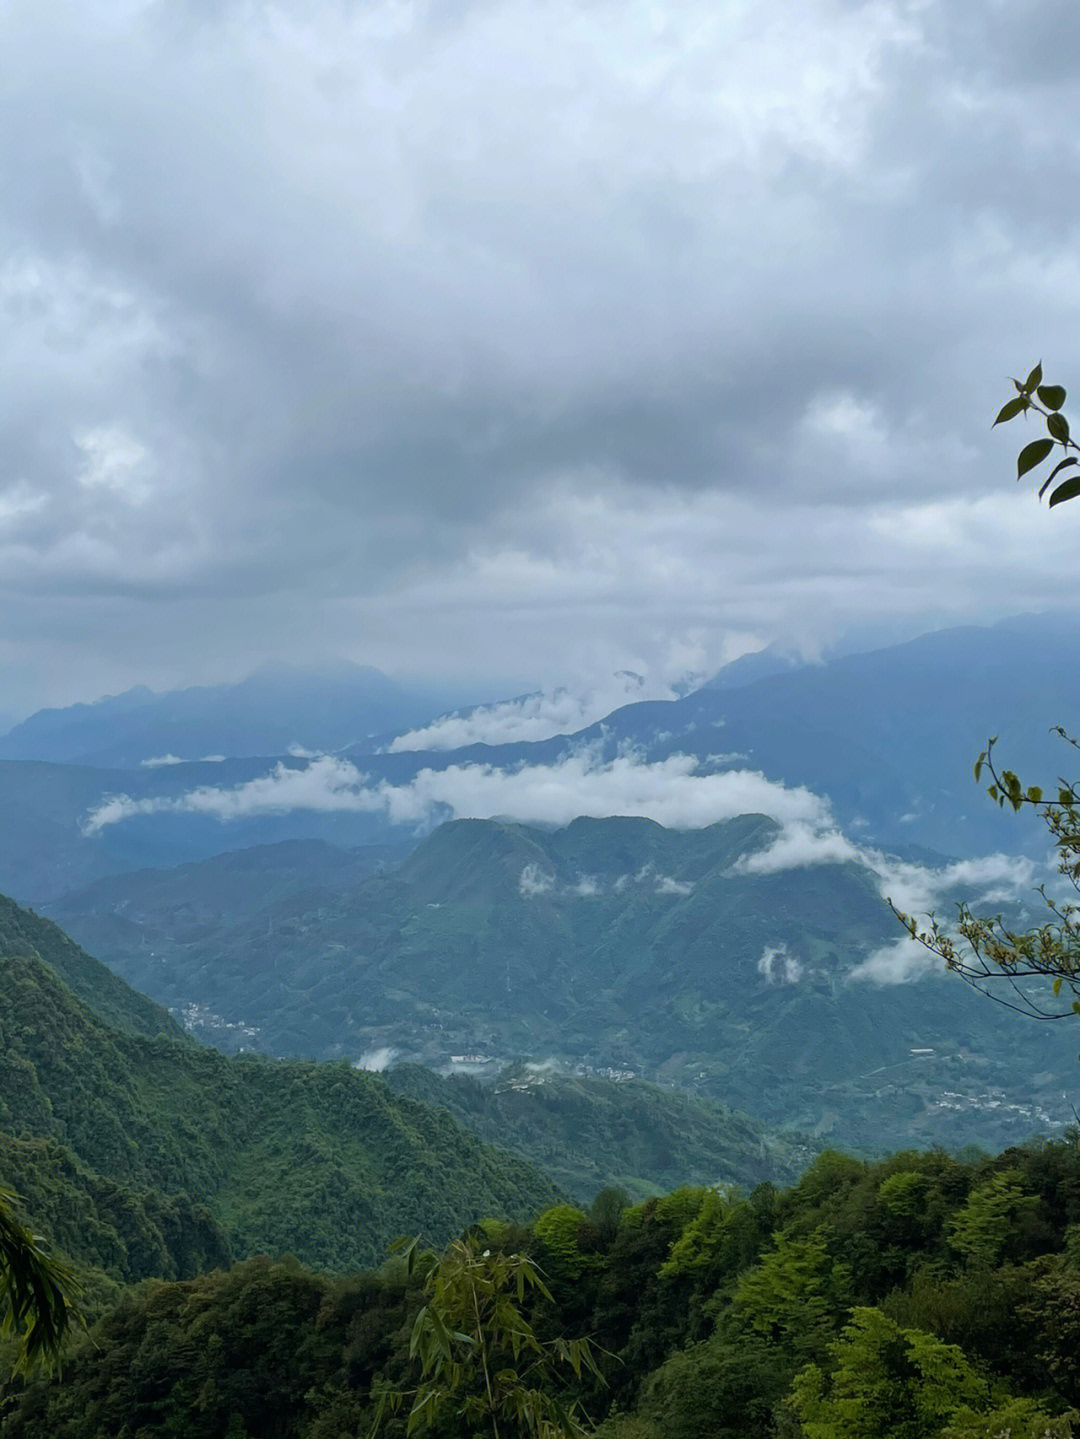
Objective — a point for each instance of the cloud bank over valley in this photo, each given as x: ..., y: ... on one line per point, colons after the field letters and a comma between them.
x: 677, y: 792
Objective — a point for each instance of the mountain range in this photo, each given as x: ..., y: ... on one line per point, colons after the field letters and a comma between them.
x: 605, y: 946
x: 143, y: 1153
x: 277, y: 708
x: 887, y: 738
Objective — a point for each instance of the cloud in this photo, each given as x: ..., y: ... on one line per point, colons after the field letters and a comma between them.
x: 779, y: 965
x: 535, y: 881
x: 587, y: 887
x: 518, y: 321
x: 801, y: 843
x: 913, y: 888
x: 666, y: 885
x: 916, y: 889
x: 376, y: 1060
x: 532, y: 717
x: 900, y: 962
x: 114, y: 460
x: 157, y: 761
x: 672, y: 792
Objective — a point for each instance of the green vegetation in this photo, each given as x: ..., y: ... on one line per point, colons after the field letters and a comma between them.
x: 480, y: 1359
x: 153, y: 1156
x: 609, y: 944
x: 594, y: 1134
x: 37, y: 1293
x: 922, y: 1297
x: 24, y: 933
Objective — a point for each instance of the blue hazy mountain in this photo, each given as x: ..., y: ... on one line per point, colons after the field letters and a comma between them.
x: 277, y: 707
x: 889, y: 736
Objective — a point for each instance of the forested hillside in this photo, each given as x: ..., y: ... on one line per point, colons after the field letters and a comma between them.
x: 24, y: 933
x: 920, y: 1298
x: 608, y: 944
x: 320, y: 1161
x: 593, y: 1134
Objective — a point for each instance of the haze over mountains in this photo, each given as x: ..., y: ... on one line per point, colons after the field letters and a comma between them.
x: 884, y: 740
x: 690, y: 889
x: 277, y: 707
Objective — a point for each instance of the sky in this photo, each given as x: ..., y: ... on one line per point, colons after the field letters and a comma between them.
x: 521, y: 342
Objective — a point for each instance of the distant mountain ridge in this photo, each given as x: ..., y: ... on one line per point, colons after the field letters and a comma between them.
x: 887, y: 736
x: 276, y: 707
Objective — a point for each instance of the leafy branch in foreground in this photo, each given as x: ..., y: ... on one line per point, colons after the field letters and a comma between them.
x: 985, y: 948
x: 479, y: 1357
x: 982, y: 948
x: 36, y: 1292
x: 1033, y: 397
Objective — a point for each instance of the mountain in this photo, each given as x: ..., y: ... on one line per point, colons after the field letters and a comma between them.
x: 46, y: 850
x: 118, y: 1005
x: 277, y: 707
x: 596, y: 1134
x: 316, y: 1160
x: 607, y: 945
x: 888, y: 736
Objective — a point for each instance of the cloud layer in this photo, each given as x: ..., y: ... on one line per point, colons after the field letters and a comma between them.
x: 519, y: 342
x: 672, y: 792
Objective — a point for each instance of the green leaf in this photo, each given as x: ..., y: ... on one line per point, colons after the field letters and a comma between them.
x: 1034, y: 794
x: 1058, y: 426
x: 1032, y: 455
x: 1061, y: 465
x: 1068, y: 491
x: 1034, y: 379
x: 1052, y: 396
x: 1011, y: 409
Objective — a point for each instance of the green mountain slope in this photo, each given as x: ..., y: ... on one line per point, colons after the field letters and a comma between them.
x: 594, y: 1134
x: 321, y: 1161
x: 608, y: 944
x: 120, y: 1006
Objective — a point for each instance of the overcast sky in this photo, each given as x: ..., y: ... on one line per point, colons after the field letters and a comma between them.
x: 521, y: 341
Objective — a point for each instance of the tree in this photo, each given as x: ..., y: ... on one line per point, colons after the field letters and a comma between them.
x: 479, y: 1357
x: 987, y: 948
x: 886, y: 1382
x: 35, y: 1293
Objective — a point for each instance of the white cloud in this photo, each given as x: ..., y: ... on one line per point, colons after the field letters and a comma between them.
x: 670, y: 792
x: 587, y: 887
x: 779, y: 965
x: 18, y: 501
x: 532, y: 717
x: 535, y: 881
x: 900, y: 962
x: 913, y: 888
x: 158, y: 760
x: 376, y: 1060
x: 666, y: 885
x: 114, y: 460
x: 800, y: 844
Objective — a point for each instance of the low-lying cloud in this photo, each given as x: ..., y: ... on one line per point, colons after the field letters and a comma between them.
x: 779, y: 966
x: 533, y: 717
x: 672, y: 792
